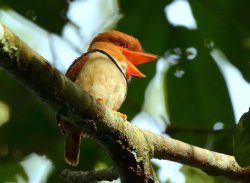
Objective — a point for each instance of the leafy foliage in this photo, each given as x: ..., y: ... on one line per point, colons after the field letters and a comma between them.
x: 196, y: 99
x: 196, y: 175
x: 51, y: 15
x: 242, y: 141
x: 11, y: 171
x: 216, y: 19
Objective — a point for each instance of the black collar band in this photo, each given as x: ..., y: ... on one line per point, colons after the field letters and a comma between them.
x: 110, y: 57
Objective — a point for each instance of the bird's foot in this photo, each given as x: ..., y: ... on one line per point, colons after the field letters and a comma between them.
x: 123, y: 116
x: 102, y: 101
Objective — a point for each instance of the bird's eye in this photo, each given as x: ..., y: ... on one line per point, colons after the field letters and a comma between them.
x: 121, y: 44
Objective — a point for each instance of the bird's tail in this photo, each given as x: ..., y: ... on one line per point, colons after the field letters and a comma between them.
x: 72, y: 147
x: 72, y: 141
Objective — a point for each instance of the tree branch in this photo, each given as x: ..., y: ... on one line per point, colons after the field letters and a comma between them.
x: 108, y: 174
x: 132, y: 161
x: 130, y: 148
x: 213, y: 163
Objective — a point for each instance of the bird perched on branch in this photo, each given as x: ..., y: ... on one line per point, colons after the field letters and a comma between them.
x: 103, y: 72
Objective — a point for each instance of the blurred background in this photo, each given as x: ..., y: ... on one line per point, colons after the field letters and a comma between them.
x: 196, y: 91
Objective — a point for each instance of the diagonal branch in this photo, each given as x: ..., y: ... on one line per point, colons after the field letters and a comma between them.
x: 213, y: 163
x: 131, y: 161
x: 130, y: 148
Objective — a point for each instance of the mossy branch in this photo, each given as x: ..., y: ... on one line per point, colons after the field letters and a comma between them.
x: 130, y: 148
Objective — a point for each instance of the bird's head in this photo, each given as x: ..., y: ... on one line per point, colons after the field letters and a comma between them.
x: 125, y: 49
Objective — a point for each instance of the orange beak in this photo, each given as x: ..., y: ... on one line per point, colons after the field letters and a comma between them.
x: 136, y: 58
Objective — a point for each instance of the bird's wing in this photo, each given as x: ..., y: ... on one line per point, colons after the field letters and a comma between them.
x: 76, y: 67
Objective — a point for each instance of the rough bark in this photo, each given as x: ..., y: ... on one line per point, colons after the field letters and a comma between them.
x: 130, y: 148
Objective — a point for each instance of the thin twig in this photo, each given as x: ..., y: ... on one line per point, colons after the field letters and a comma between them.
x: 108, y: 174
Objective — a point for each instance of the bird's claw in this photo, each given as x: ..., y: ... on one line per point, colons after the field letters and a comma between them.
x: 123, y: 116
x: 102, y: 101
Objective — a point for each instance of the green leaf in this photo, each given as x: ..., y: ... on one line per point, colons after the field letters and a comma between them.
x: 9, y: 172
x: 242, y: 141
x: 50, y: 15
x: 226, y: 23
x: 196, y: 175
x: 197, y: 95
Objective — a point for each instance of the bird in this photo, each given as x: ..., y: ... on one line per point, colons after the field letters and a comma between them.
x: 103, y: 72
